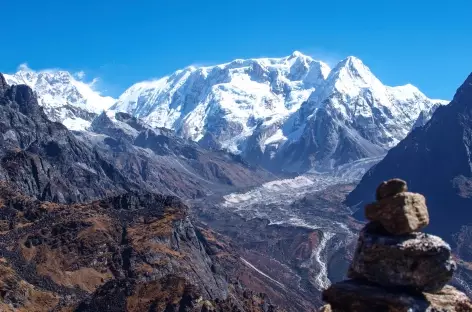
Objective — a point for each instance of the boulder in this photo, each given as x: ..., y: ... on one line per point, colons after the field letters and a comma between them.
x: 390, y: 188
x: 416, y: 261
x: 359, y: 296
x: 400, y: 214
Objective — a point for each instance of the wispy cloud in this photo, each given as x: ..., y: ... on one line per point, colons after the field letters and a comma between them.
x: 23, y: 67
x: 80, y: 75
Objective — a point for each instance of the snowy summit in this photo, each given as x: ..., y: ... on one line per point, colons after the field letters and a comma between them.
x: 65, y: 98
x: 292, y: 113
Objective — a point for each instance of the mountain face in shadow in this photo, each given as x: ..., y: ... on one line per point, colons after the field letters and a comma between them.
x: 435, y: 160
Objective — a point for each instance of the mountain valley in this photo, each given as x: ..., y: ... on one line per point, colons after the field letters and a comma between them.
x: 234, y: 187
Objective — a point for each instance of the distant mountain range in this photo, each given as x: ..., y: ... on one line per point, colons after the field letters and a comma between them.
x: 287, y: 114
x: 46, y: 160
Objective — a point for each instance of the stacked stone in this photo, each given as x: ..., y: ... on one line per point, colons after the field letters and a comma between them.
x: 396, y: 267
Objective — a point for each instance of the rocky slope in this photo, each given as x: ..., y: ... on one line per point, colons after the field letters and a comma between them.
x: 298, y: 246
x: 292, y: 113
x: 133, y: 252
x: 435, y: 161
x: 64, y: 97
x: 46, y: 160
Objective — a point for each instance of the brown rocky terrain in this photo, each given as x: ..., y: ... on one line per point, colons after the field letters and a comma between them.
x: 132, y: 252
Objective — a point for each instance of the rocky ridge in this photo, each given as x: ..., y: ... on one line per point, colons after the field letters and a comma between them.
x: 395, y: 267
x: 48, y: 161
x: 65, y: 97
x: 133, y: 252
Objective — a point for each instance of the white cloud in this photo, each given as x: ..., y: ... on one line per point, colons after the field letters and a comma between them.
x: 23, y: 67
x: 80, y: 75
x: 94, y: 82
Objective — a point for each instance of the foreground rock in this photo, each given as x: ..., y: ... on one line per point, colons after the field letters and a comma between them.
x: 400, y: 214
x: 390, y: 188
x: 394, y: 268
x: 357, y: 296
x: 417, y: 260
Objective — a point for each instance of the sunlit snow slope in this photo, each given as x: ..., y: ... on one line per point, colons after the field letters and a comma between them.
x: 287, y: 114
x: 65, y: 98
x: 292, y: 113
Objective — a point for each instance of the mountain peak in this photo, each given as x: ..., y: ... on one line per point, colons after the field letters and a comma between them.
x: 297, y: 54
x: 57, y: 88
x: 352, y: 60
x: 353, y: 65
x: 349, y: 76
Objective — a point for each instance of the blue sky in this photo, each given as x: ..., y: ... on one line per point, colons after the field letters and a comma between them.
x: 426, y: 43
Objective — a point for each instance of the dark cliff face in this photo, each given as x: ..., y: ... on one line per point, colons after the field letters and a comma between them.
x: 133, y: 252
x: 435, y: 160
x: 46, y: 160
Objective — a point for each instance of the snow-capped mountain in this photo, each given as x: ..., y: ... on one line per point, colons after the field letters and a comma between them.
x: 293, y: 112
x: 426, y: 115
x: 65, y: 98
x: 350, y: 117
x: 228, y: 101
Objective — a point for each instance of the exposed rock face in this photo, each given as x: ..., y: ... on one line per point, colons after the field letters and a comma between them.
x: 415, y: 260
x: 400, y: 214
x: 398, y: 270
x: 18, y: 294
x: 135, y: 252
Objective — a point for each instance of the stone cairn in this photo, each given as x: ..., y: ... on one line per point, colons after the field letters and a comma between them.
x: 395, y: 267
